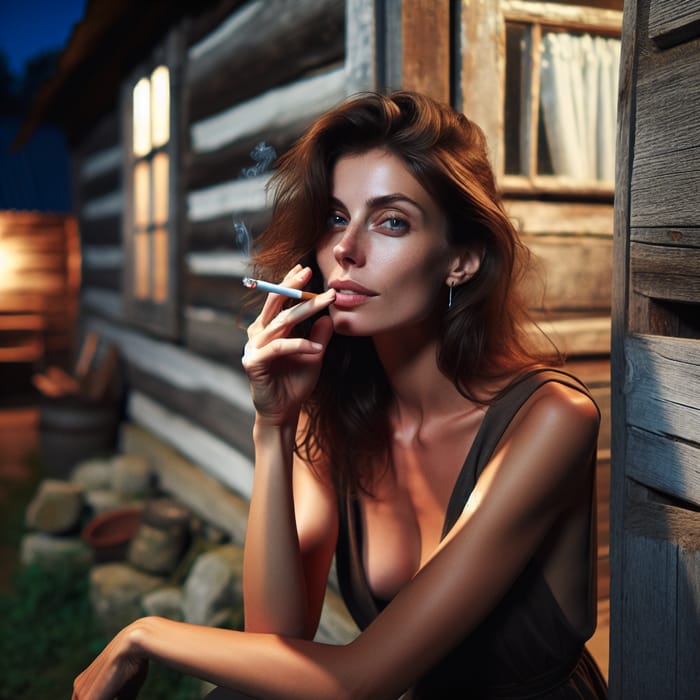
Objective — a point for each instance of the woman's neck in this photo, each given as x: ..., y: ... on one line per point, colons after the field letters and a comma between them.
x: 421, y: 391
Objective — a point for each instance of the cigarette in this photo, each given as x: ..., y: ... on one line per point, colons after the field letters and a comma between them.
x: 277, y: 289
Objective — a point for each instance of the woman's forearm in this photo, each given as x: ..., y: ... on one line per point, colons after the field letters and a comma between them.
x: 262, y: 665
x: 273, y: 577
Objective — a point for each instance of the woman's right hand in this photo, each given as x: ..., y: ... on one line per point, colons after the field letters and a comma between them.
x: 283, y: 370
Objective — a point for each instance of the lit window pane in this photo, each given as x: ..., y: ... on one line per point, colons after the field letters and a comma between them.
x: 160, y: 265
x: 160, y: 188
x: 141, y: 265
x: 142, y: 195
x: 142, y: 117
x: 160, y: 105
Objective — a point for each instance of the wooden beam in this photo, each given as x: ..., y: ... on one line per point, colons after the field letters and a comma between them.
x: 262, y: 44
x: 426, y: 47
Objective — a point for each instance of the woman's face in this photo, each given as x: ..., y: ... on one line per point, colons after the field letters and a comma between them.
x: 385, y: 251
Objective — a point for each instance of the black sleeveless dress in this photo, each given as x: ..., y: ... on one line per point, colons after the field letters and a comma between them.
x: 525, y: 648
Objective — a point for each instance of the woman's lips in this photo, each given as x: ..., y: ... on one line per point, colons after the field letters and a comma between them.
x: 350, y: 294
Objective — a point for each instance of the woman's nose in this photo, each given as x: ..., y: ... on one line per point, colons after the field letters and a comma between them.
x: 349, y: 250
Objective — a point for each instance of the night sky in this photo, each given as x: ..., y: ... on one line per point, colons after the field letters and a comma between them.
x: 29, y: 27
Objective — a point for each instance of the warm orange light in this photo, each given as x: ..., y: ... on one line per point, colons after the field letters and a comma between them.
x: 142, y: 195
x: 160, y: 106
x: 142, y: 117
x: 160, y: 188
x: 160, y: 265
x: 142, y: 276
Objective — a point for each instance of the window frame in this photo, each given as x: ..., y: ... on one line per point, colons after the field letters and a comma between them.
x: 159, y: 318
x: 483, y: 65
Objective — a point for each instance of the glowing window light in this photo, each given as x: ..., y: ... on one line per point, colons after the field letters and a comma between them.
x: 160, y: 265
x: 160, y: 106
x: 142, y: 117
x: 142, y: 272
x: 142, y: 195
x: 160, y: 188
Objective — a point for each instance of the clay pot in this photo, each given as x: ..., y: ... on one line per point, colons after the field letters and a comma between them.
x: 109, y: 534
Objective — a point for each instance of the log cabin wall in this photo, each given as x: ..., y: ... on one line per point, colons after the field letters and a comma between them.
x: 39, y: 281
x: 253, y: 72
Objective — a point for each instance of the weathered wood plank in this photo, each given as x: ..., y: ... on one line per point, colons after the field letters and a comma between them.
x: 661, y: 521
x: 536, y: 217
x: 106, y: 303
x: 570, y: 272
x: 216, y: 334
x: 672, y: 22
x: 234, y: 196
x: 676, y: 237
x: 668, y: 367
x: 647, y: 664
x: 220, y: 232
x: 425, y: 47
x: 186, y: 481
x: 174, y: 365
x: 689, y: 624
x: 107, y: 231
x: 218, y: 293
x: 213, y: 414
x: 215, y: 456
x: 665, y: 272
x: 482, y: 36
x: 262, y: 44
x: 361, y: 45
x: 664, y: 464
x: 288, y: 107
x: 666, y: 188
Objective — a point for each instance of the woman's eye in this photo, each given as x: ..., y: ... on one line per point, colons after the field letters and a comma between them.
x: 336, y: 220
x: 395, y: 224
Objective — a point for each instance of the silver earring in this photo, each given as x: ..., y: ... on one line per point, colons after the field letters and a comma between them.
x: 449, y: 298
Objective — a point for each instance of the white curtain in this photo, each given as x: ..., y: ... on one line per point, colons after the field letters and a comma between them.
x: 579, y: 101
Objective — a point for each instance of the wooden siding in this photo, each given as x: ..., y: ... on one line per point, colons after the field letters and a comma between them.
x: 38, y: 287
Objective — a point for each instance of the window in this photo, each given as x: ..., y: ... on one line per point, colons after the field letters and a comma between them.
x: 540, y: 78
x: 560, y: 96
x: 149, y: 219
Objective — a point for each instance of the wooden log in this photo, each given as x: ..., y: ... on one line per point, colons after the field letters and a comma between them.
x: 104, y: 207
x: 215, y: 456
x: 262, y: 44
x: 216, y: 334
x: 238, y: 197
x: 665, y: 272
x: 672, y: 22
x: 425, y: 47
x: 289, y: 107
x: 220, y: 232
x: 559, y: 218
x: 106, y: 231
x: 570, y: 272
x: 218, y: 293
x: 203, y: 409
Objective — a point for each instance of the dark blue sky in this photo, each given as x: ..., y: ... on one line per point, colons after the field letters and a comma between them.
x: 28, y: 27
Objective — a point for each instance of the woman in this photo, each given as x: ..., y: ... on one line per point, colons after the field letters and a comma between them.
x: 469, y: 578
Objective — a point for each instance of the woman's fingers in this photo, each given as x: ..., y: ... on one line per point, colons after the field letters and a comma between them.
x: 282, y: 323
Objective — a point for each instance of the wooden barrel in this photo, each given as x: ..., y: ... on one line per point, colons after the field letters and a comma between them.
x: 72, y: 430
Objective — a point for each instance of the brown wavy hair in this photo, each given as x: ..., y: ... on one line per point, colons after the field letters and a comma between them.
x: 483, y: 335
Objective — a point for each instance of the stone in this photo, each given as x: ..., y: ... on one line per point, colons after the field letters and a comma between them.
x: 56, y: 507
x: 53, y: 552
x: 164, y: 602
x: 102, y: 500
x: 154, y: 550
x: 116, y: 591
x: 93, y: 474
x: 213, y: 585
x: 132, y: 476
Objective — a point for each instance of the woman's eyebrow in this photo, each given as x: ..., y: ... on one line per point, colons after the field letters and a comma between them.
x: 382, y: 201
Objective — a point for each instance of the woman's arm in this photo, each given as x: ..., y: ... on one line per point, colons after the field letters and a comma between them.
x: 291, y: 536
x: 535, y: 476
x: 288, y: 546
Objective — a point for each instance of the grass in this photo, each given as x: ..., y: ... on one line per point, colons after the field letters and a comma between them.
x: 47, y: 631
